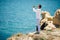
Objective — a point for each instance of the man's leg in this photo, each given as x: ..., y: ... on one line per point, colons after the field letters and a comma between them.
x: 38, y: 26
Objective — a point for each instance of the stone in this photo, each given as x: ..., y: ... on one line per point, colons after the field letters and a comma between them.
x: 24, y: 37
x: 56, y: 19
x: 50, y: 25
x: 46, y: 15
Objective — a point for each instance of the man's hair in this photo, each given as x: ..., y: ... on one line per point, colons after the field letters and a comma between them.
x: 39, y: 6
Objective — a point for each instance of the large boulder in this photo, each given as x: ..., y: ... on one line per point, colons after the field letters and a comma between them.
x: 56, y: 19
x: 46, y: 17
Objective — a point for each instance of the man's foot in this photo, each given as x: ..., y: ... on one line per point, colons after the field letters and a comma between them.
x: 37, y: 33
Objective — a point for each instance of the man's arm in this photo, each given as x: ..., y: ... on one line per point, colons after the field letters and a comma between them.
x: 34, y: 9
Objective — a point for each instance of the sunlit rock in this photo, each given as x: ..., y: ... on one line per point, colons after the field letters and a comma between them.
x: 22, y: 37
x: 56, y: 19
x: 46, y: 17
x: 50, y: 25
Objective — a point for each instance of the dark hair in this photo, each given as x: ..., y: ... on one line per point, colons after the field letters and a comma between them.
x: 39, y: 6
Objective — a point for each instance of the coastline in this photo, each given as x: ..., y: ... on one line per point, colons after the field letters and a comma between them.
x: 44, y: 35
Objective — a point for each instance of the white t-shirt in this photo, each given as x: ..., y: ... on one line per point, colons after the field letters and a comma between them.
x: 38, y: 13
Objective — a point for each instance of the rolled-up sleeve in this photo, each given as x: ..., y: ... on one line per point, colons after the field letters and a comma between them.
x: 34, y: 10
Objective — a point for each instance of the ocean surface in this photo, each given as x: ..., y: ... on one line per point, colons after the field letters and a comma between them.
x: 17, y: 16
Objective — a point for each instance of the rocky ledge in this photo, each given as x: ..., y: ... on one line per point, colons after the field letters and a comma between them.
x: 44, y: 35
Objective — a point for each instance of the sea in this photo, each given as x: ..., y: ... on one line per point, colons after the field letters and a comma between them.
x: 17, y: 16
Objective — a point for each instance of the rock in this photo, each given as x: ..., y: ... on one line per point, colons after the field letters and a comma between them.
x: 46, y: 15
x: 56, y: 38
x: 56, y: 33
x: 50, y: 25
x: 56, y: 19
x: 18, y: 35
x: 23, y: 37
x: 31, y: 34
x: 11, y: 38
x: 43, y: 26
x: 52, y: 21
x: 44, y: 35
x: 43, y: 21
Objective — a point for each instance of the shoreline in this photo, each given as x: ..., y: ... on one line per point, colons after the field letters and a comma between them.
x: 44, y: 35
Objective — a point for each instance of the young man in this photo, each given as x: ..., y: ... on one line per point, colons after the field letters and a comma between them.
x: 38, y: 17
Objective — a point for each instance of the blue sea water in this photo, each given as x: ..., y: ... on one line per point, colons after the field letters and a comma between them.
x: 17, y: 16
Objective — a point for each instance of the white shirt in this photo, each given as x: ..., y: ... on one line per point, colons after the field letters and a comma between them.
x: 38, y: 13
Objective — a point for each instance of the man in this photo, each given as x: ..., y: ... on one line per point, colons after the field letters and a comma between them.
x: 38, y: 17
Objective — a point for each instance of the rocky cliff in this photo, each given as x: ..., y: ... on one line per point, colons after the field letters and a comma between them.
x: 56, y: 18
x: 52, y: 21
x: 44, y: 35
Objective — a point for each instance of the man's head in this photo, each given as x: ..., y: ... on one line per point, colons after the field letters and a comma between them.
x: 39, y: 6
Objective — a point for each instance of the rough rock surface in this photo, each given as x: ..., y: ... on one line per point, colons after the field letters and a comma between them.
x: 46, y: 17
x: 50, y: 25
x: 20, y: 37
x: 56, y: 19
x: 44, y: 35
